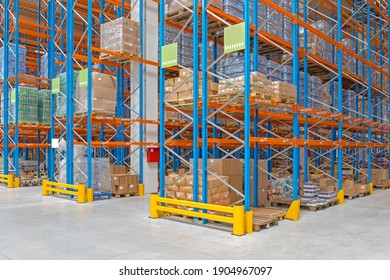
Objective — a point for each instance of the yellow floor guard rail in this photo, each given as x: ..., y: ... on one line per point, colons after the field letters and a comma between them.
x: 241, y: 221
x: 83, y: 194
x: 8, y: 179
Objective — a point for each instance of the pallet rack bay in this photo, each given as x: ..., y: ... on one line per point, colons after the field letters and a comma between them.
x: 335, y: 53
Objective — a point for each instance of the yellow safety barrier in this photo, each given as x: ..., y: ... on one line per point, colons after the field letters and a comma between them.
x: 80, y: 191
x: 8, y: 179
x: 141, y: 190
x: 16, y: 182
x: 238, y: 218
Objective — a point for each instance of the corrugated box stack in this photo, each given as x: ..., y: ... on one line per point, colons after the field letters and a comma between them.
x: 379, y: 177
x: 317, y: 45
x: 284, y: 92
x: 233, y: 169
x: 123, y: 183
x: 183, y: 87
x: 181, y: 187
x: 262, y: 182
x: 103, y: 95
x: 120, y: 35
x: 349, y: 187
x: 260, y: 86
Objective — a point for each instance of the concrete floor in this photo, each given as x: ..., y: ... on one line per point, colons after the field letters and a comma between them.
x: 36, y: 227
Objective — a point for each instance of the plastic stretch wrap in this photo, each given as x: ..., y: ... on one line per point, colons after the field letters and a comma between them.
x: 12, y: 60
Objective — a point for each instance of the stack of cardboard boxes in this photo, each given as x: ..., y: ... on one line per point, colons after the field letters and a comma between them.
x: 352, y: 188
x: 121, y: 35
x: 181, y: 187
x: 183, y: 86
x: 262, y: 183
x: 284, y: 92
x: 327, y: 185
x: 103, y: 95
x: 233, y: 169
x: 260, y: 86
x: 123, y: 183
x: 379, y: 177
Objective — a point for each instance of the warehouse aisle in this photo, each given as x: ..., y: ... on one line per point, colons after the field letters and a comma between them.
x: 36, y: 227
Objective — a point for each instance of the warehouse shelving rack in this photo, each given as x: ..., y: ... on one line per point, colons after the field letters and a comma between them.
x: 354, y: 140
x: 68, y: 33
x: 119, y: 137
x: 20, y: 26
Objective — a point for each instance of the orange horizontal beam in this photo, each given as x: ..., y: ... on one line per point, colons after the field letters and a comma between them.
x: 130, y: 57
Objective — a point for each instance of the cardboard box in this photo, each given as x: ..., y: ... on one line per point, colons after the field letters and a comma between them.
x: 236, y: 182
x: 362, y: 188
x: 185, y: 73
x: 227, y: 167
x: 189, y: 196
x: 222, y: 189
x: 182, y: 182
x: 117, y: 169
x: 224, y: 202
x: 349, y: 188
x: 120, y: 189
x: 119, y: 179
x: 172, y: 189
x: 133, y: 179
x: 225, y: 195
x: 181, y: 195
x: 186, y: 189
x: 215, y: 198
x: 133, y: 189
x: 327, y: 185
x: 262, y: 183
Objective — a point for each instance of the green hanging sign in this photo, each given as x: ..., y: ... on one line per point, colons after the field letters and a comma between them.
x: 13, y: 95
x: 55, y: 85
x: 83, y: 77
x: 169, y: 55
x: 234, y: 38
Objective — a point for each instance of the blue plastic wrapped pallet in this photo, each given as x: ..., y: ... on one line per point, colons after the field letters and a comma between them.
x: 315, y: 93
x: 234, y: 66
x: 286, y: 72
x: 61, y: 96
x: 274, y: 71
x: 57, y: 67
x: 12, y: 60
x: 349, y: 103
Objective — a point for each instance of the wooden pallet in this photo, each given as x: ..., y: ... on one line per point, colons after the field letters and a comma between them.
x: 274, y: 98
x: 123, y: 195
x: 96, y: 114
x: 264, y: 218
x: 179, y: 15
x: 315, y: 208
x: 26, y: 123
x: 259, y: 223
x: 116, y: 58
x: 382, y: 187
x: 350, y: 197
x: 364, y: 194
x: 304, y: 205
